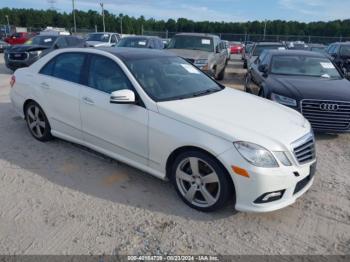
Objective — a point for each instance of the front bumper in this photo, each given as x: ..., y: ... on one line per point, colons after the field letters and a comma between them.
x: 293, y: 181
x: 15, y: 64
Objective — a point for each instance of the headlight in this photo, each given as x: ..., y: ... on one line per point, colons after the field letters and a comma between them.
x: 256, y: 155
x: 35, y: 53
x: 201, y: 62
x: 283, y: 100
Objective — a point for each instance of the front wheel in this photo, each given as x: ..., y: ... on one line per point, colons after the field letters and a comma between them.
x: 37, y: 122
x: 201, y: 181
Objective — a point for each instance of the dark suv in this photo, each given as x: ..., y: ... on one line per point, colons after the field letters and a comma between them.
x: 340, y: 54
x: 24, y: 55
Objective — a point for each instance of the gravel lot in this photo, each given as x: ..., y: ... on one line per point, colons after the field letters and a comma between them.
x: 60, y: 198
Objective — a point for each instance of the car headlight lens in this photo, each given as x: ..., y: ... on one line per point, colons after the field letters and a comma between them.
x: 283, y: 100
x: 283, y: 158
x: 35, y: 53
x: 256, y: 155
x: 201, y: 62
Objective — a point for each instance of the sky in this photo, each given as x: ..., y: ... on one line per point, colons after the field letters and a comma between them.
x: 202, y: 10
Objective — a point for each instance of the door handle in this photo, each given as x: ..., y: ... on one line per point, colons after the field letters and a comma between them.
x: 88, y: 101
x: 45, y: 85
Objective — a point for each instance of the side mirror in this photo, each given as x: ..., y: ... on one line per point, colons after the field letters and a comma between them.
x: 124, y: 96
x: 56, y: 46
x: 263, y: 69
x: 217, y: 49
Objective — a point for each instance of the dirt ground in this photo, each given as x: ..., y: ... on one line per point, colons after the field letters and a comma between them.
x: 60, y: 198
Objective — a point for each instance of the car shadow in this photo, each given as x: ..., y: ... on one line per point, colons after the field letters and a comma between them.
x: 80, y: 169
x: 326, y: 136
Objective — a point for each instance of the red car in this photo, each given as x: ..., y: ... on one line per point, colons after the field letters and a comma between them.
x: 18, y: 38
x: 236, y: 48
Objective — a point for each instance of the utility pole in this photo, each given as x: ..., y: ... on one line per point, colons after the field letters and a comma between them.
x: 75, y: 23
x: 103, y: 18
x: 121, y: 23
x: 265, y: 29
x: 8, y: 25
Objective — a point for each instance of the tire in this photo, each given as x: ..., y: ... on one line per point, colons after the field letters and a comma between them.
x: 261, y: 92
x: 207, y: 189
x: 221, y: 75
x: 247, y: 82
x: 37, y: 122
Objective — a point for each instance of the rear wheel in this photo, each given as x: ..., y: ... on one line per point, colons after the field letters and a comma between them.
x: 37, y: 122
x: 201, y: 181
x: 221, y: 75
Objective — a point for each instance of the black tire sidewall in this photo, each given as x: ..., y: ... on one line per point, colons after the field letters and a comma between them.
x: 226, y: 187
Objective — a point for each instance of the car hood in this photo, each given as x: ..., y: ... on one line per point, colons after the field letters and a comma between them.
x: 311, y: 88
x: 96, y: 43
x: 237, y: 116
x: 190, y: 54
x: 26, y: 48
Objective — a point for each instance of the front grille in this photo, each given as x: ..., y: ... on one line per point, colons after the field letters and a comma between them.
x: 18, y: 56
x: 327, y: 115
x: 304, y: 149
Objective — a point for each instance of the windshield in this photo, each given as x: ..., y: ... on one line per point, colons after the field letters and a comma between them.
x: 41, y: 40
x: 192, y: 43
x: 318, y: 49
x: 260, y: 48
x: 136, y: 42
x: 345, y: 51
x: 171, y: 78
x: 98, y: 37
x: 304, y: 66
x: 248, y: 48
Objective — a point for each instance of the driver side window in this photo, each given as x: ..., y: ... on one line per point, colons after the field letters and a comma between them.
x: 106, y: 76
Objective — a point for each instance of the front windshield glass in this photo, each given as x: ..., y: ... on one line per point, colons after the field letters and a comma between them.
x: 260, y: 48
x: 304, y: 66
x: 136, y: 42
x: 192, y: 43
x: 41, y: 40
x: 248, y: 48
x: 171, y: 78
x: 345, y: 51
x: 100, y: 37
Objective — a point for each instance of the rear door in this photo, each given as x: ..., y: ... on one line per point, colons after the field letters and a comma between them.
x: 60, y: 84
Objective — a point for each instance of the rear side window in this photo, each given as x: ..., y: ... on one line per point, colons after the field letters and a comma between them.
x: 106, y: 76
x: 66, y: 66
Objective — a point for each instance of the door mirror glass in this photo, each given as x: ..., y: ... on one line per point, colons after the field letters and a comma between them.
x: 124, y: 96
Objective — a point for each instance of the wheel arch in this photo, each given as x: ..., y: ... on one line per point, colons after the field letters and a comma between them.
x: 171, y: 158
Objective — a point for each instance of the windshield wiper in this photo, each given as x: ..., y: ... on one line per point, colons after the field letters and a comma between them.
x: 205, y: 92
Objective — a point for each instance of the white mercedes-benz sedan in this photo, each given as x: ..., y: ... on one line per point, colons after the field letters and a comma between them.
x: 156, y: 112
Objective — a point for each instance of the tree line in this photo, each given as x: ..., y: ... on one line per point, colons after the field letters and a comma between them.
x: 89, y: 19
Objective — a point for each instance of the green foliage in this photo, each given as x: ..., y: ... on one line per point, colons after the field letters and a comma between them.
x: 131, y: 25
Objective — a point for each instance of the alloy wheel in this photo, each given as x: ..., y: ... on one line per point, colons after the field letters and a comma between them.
x: 198, y: 182
x: 36, y: 121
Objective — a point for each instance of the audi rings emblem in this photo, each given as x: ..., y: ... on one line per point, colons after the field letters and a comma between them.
x: 329, y: 107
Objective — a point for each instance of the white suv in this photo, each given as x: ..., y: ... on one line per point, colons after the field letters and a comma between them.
x: 158, y: 113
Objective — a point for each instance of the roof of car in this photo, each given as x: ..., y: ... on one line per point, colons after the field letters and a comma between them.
x: 316, y: 45
x: 294, y: 52
x: 142, y: 36
x: 127, y: 53
x: 269, y: 43
x: 197, y: 34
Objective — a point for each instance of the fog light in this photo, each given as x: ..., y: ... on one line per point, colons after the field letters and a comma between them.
x: 270, y: 197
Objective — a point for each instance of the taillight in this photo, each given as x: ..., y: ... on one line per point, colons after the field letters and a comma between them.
x: 13, y: 80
